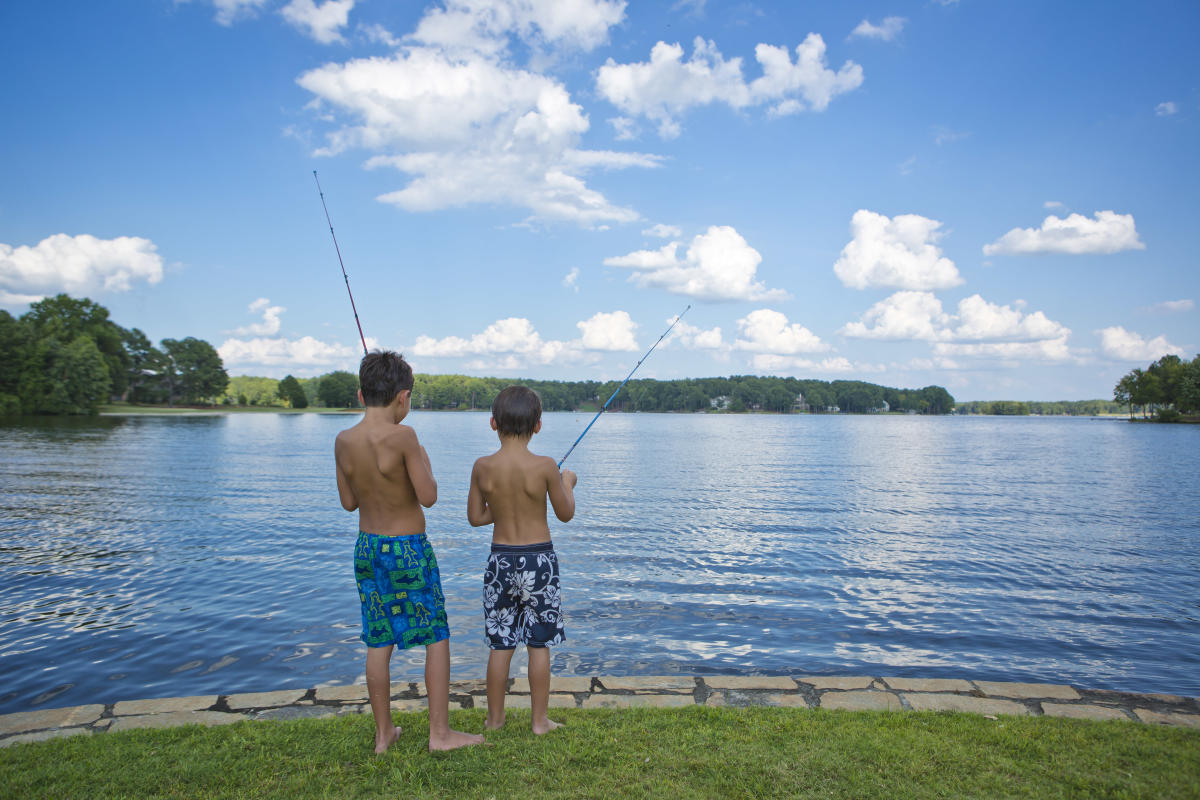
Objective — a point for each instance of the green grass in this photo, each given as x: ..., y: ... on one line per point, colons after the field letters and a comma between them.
x: 676, y: 753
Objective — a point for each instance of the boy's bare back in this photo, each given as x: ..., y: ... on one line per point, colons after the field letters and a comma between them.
x: 384, y: 472
x: 509, y: 490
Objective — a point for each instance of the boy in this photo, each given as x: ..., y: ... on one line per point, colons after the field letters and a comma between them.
x: 384, y: 473
x: 521, y: 602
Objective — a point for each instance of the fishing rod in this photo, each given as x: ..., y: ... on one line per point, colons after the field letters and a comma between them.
x: 627, y: 377
x: 362, y: 338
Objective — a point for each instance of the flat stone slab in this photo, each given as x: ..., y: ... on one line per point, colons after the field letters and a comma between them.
x: 523, y: 701
x: 173, y: 719
x: 1083, y: 711
x: 1168, y: 718
x: 739, y: 699
x: 1027, y: 690
x: 356, y: 692
x: 163, y: 705
x: 837, y: 682
x: 958, y: 702
x: 929, y: 684
x: 460, y: 687
x: 417, y: 704
x: 285, y: 697
x: 41, y: 736
x: 748, y: 682
x: 567, y: 683
x: 71, y: 716
x: 648, y: 682
x: 861, y: 701
x: 638, y: 700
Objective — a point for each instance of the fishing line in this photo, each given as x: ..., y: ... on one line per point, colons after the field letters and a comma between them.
x: 627, y: 377
x: 362, y: 338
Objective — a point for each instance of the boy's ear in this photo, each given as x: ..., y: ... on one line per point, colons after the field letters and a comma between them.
x: 538, y: 427
x: 361, y: 402
x: 493, y: 423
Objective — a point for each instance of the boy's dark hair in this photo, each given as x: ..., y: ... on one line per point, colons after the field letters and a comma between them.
x: 383, y: 374
x: 517, y: 410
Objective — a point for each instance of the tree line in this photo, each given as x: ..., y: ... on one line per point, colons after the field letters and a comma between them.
x: 1072, y: 408
x: 66, y: 356
x: 1166, y: 390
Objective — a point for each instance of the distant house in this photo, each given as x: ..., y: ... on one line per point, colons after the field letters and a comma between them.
x: 719, y: 403
x: 799, y: 404
x: 883, y: 409
x: 832, y: 410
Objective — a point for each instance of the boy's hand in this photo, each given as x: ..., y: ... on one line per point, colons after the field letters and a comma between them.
x: 569, y: 476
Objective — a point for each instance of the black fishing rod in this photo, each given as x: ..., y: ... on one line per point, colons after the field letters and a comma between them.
x: 627, y: 377
x: 362, y: 338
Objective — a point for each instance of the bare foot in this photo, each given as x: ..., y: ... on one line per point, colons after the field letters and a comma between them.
x: 382, y: 744
x: 545, y: 726
x: 493, y: 726
x: 452, y: 740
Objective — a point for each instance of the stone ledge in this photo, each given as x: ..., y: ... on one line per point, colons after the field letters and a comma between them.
x: 1027, y: 691
x: 749, y: 682
x: 929, y: 684
x: 173, y: 719
x: 523, y: 701
x: 1083, y: 711
x: 957, y: 702
x: 41, y: 736
x: 648, y: 682
x: 861, y: 701
x: 567, y: 683
x: 837, y: 682
x: 740, y: 700
x: 1168, y: 718
x: 127, y: 708
x: 354, y: 692
x: 284, y: 697
x: 25, y: 721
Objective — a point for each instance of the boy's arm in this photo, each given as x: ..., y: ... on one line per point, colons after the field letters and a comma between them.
x: 345, y: 493
x: 420, y: 471
x: 478, y: 511
x: 561, y: 489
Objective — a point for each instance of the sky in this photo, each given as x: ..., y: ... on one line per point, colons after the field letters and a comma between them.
x: 996, y: 197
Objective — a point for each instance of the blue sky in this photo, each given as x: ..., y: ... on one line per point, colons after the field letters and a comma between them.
x: 997, y: 197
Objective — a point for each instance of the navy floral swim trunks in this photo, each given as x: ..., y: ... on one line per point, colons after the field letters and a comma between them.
x: 521, y: 600
x: 401, y: 591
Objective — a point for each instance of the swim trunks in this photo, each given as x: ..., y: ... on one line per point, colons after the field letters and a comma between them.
x: 400, y: 589
x: 521, y: 601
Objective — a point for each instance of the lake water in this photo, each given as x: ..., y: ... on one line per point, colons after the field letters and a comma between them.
x: 162, y: 556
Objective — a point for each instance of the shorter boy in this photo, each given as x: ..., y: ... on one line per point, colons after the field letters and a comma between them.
x: 521, y: 602
x: 384, y: 473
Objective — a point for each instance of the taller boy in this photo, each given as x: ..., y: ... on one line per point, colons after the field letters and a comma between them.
x: 384, y: 473
x: 521, y: 602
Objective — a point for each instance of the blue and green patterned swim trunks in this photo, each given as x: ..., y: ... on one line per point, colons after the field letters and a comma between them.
x: 401, y: 591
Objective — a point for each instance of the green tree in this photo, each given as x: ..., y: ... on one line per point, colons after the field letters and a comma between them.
x: 65, y: 318
x: 290, y: 390
x: 1123, y: 392
x: 64, y: 379
x: 13, y: 343
x: 339, y: 390
x: 147, y: 369
x: 196, y: 371
x: 1189, y: 387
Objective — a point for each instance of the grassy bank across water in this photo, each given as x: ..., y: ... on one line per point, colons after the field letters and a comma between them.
x: 691, y: 752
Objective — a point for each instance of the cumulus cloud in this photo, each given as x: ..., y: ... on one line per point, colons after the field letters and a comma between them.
x: 1048, y: 350
x: 1166, y: 109
x: 1052, y: 204
x: 322, y: 23
x: 694, y: 337
x: 279, y: 356
x: 666, y: 86
x: 229, y: 11
x: 608, y: 331
x: 980, y: 328
x: 898, y: 253
x: 571, y: 280
x: 768, y: 362
x: 270, y: 322
x: 1122, y: 345
x: 77, y: 265
x: 768, y: 331
x: 1172, y: 306
x: 485, y: 25
x: 513, y: 342
x: 718, y: 265
x: 1108, y: 232
x: 885, y: 31
x: 663, y: 231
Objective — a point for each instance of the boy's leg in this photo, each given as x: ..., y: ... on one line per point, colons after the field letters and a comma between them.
x: 497, y: 686
x: 437, y: 686
x: 379, y: 690
x: 539, y: 689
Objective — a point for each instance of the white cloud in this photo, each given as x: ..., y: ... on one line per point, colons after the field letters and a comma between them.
x: 1109, y: 232
x: 943, y: 135
x: 279, y: 356
x: 270, y: 323
x: 608, y: 331
x: 666, y: 86
x: 898, y: 252
x: 767, y: 331
x: 1122, y: 345
x: 571, y: 281
x: 719, y: 265
x: 1172, y: 306
x: 1048, y: 350
x: 77, y: 265
x: 624, y: 128
x: 693, y: 337
x: 469, y: 130
x: 918, y: 316
x: 768, y: 362
x: 1052, y: 204
x: 1166, y: 109
x: 229, y: 11
x: 885, y: 31
x: 322, y: 23
x: 663, y: 231
x: 485, y: 25
x: 379, y: 34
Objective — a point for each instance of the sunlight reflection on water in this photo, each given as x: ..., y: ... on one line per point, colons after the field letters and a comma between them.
x: 158, y: 556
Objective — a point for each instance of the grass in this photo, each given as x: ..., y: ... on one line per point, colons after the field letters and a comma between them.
x: 676, y: 753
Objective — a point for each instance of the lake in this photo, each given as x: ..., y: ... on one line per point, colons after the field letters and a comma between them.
x: 152, y: 556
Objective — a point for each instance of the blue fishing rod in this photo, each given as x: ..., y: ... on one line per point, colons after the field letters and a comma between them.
x: 618, y: 389
x: 362, y: 338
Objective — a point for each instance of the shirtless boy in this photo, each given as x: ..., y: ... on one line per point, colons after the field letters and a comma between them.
x: 521, y: 603
x: 384, y: 473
